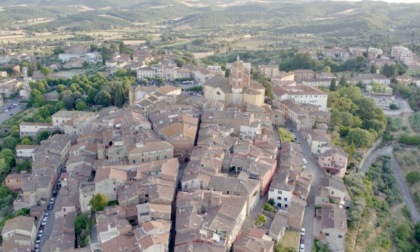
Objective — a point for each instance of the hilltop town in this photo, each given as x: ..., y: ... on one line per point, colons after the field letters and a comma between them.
x: 242, y: 138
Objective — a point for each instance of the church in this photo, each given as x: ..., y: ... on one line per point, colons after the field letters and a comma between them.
x: 237, y: 89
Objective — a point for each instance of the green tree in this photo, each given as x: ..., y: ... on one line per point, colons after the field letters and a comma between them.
x: 26, y: 140
x: 103, y: 98
x: 43, y: 135
x: 417, y: 232
x: 342, y: 82
x: 10, y: 142
x: 81, y: 105
x: 68, y: 102
x: 388, y: 70
x: 373, y: 69
x: 46, y: 71
x: 333, y: 85
x: 360, y: 137
x: 98, y: 202
x: 261, y: 219
x: 36, y: 99
x: 227, y: 72
x: 413, y: 177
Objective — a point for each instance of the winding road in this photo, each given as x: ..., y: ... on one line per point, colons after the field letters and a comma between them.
x: 405, y: 192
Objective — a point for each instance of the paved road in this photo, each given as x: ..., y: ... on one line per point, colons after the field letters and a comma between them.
x: 313, y: 170
x: 4, y: 116
x: 405, y: 192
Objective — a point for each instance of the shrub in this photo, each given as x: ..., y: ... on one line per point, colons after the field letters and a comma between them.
x: 412, y: 177
x: 413, y: 140
x: 261, y: 219
x: 270, y: 208
x: 393, y: 106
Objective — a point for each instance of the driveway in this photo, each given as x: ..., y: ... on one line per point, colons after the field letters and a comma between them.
x: 405, y: 192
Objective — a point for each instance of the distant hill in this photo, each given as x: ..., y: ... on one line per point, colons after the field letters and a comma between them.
x: 277, y: 15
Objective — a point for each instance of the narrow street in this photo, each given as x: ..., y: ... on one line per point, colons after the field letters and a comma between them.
x: 313, y: 170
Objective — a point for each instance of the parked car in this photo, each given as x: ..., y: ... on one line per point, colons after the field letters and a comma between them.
x: 50, y: 207
x: 54, y: 194
x: 6, y: 110
x: 302, y: 232
x: 44, y: 222
x: 302, y: 248
x: 38, y: 241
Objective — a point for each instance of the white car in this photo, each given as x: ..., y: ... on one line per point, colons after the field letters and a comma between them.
x: 302, y: 232
x: 304, y: 161
x: 302, y: 248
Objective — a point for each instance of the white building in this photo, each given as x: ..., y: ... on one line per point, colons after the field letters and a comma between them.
x: 302, y: 94
x: 280, y: 191
x: 25, y: 151
x: 402, y: 54
x: 250, y: 131
x: 32, y: 129
x: 146, y: 72
x: 317, y: 82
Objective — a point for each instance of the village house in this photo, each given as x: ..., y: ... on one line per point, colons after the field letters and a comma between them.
x: 317, y: 82
x: 255, y: 241
x: 8, y: 87
x: 278, y: 226
x: 108, y: 180
x: 333, y: 160
x: 316, y: 139
x: 62, y: 235
x: 25, y: 151
x: 19, y: 234
x: 332, y: 190
x: 303, y: 74
x: 60, y: 118
x: 228, y: 215
x: 333, y: 226
x: 269, y: 71
x: 32, y: 129
x: 15, y: 181
x: 150, y: 151
x: 298, y: 114
x: 177, y: 125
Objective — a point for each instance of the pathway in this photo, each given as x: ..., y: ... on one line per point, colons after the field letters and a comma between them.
x: 405, y: 192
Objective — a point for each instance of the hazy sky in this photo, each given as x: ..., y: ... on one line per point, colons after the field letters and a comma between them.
x: 389, y: 1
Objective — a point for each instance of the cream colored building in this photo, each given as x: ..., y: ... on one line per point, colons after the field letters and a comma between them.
x: 237, y: 89
x: 151, y: 151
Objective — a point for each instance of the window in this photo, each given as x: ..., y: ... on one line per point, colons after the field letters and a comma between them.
x: 115, y: 189
x: 64, y: 209
x: 340, y: 236
x: 285, y: 199
x: 285, y: 205
x: 218, y: 93
x: 327, y: 234
x: 279, y: 198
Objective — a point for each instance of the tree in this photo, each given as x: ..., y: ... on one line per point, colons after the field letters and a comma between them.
x: 43, y: 135
x: 81, y: 105
x: 333, y: 85
x: 36, y: 99
x: 342, y: 81
x: 103, y: 98
x: 46, y: 71
x: 261, y: 219
x: 388, y: 70
x: 10, y: 142
x: 26, y: 140
x: 68, y: 102
x: 98, y: 202
x: 227, y: 73
x: 360, y: 137
x: 417, y: 232
x: 373, y: 69
x: 413, y: 177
